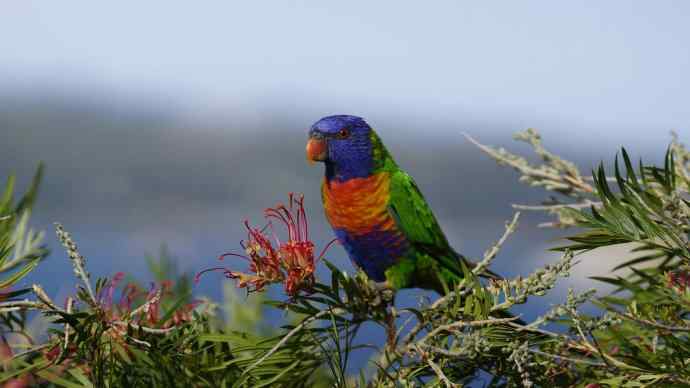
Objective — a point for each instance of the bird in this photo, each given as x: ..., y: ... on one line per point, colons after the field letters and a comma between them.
x: 377, y: 211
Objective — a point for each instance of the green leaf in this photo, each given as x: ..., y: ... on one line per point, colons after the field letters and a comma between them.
x: 639, y: 260
x: 26, y: 368
x: 17, y: 276
x: 79, y: 375
x: 57, y: 380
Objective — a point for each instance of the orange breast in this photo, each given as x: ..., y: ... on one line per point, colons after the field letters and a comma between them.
x: 358, y: 205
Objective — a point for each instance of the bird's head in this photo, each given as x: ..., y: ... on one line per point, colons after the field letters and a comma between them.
x: 346, y: 144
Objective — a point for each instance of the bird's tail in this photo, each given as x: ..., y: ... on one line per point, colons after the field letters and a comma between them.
x: 486, y: 273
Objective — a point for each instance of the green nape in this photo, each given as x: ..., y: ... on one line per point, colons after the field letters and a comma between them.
x: 383, y: 161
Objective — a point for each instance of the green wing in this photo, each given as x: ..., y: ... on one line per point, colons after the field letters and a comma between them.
x: 416, y: 220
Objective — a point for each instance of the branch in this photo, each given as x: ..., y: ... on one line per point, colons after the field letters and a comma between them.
x: 43, y: 297
x: 461, y: 324
x: 437, y: 369
x: 490, y: 254
x: 65, y: 347
x: 32, y: 350
x: 575, y: 360
x: 144, y: 308
x: 146, y: 329
x: 555, y: 174
x: 292, y: 333
x: 652, y: 323
x: 21, y: 304
x: 385, y: 361
x: 582, y: 205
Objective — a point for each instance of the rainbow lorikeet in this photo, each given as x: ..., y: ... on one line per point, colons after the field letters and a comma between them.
x: 377, y: 211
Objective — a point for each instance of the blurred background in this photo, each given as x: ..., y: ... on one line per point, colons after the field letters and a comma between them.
x: 163, y: 123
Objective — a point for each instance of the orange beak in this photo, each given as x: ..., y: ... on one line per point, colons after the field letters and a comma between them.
x: 317, y: 150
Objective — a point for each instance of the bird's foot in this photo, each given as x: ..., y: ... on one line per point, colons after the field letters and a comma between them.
x: 384, y: 290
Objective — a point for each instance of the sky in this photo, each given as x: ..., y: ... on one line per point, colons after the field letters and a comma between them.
x: 585, y: 66
x: 165, y: 122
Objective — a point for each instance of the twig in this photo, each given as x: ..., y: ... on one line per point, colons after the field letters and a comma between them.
x: 146, y: 329
x: 521, y: 327
x: 391, y: 331
x: 68, y: 308
x: 567, y: 182
x: 490, y: 254
x: 413, y: 333
x: 586, y: 347
x: 520, y: 356
x: 582, y: 205
x: 21, y: 304
x: 545, y: 225
x: 653, y: 324
x: 404, y: 325
x: 598, y: 347
x: 460, y: 324
x: 576, y: 360
x: 43, y: 297
x: 441, y: 351
x: 437, y: 369
x: 32, y: 350
x: 459, y: 291
x: 576, y: 319
x: 135, y: 340
x: 144, y: 308
x: 292, y: 333
x: 608, y: 178
x: 408, y: 345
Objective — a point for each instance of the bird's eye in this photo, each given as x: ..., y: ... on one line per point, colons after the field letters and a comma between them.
x: 343, y: 133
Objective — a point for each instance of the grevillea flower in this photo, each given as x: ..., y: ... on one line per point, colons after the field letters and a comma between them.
x: 291, y: 262
x: 679, y: 279
x: 148, y: 311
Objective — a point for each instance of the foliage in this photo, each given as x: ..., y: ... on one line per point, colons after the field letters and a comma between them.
x: 641, y: 336
x: 115, y: 332
x: 21, y: 248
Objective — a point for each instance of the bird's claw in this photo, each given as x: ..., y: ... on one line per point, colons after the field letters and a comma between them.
x: 384, y: 290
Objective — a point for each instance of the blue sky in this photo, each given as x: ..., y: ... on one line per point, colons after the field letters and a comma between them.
x: 616, y: 65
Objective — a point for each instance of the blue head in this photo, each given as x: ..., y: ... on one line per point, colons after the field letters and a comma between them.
x: 344, y: 144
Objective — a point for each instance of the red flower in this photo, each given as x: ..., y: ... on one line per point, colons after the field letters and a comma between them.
x: 291, y: 263
x: 123, y: 309
x: 19, y: 382
x: 679, y: 279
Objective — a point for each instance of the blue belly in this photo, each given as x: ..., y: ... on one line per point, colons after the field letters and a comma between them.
x: 374, y: 252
